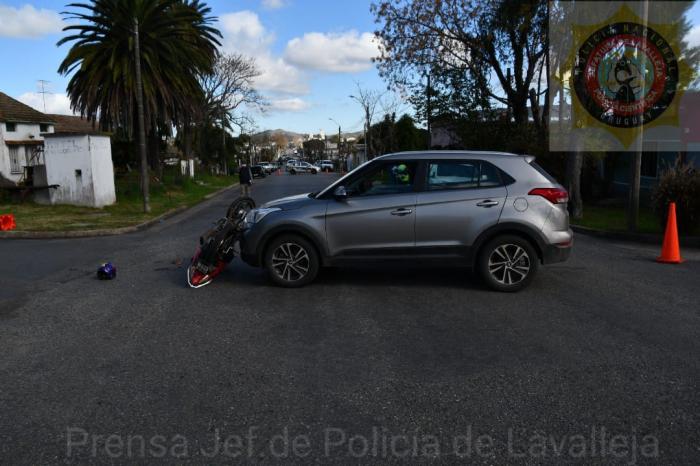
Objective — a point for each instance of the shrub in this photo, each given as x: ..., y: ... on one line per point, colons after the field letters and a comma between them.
x: 680, y: 184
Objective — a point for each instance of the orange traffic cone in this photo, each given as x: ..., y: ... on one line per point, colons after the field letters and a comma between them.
x: 671, y: 251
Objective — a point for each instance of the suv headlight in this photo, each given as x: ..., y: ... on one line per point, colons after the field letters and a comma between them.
x: 255, y: 215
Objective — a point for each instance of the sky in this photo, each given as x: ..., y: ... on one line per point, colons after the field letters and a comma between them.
x: 311, y: 52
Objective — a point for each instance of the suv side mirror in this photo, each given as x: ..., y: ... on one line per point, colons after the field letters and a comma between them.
x: 340, y: 194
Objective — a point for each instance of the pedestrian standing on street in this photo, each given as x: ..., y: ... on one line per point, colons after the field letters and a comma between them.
x: 245, y: 177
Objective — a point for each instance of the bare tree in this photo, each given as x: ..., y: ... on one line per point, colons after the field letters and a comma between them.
x: 369, y: 99
x: 228, y: 89
x: 230, y: 86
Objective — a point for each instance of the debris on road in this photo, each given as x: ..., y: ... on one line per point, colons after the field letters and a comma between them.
x: 7, y: 222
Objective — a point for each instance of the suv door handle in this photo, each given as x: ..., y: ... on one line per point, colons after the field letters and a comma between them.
x: 487, y: 203
x: 401, y: 212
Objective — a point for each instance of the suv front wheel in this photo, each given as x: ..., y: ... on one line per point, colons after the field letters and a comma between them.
x: 291, y: 261
x: 508, y: 263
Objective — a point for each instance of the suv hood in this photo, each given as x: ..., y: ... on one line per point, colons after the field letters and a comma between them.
x: 290, y: 202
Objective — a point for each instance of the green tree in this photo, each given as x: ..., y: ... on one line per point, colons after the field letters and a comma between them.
x: 177, y: 44
x: 503, y: 38
x: 407, y: 136
x: 314, y: 148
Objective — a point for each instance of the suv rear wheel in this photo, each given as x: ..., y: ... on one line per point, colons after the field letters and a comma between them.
x: 291, y: 261
x: 508, y: 263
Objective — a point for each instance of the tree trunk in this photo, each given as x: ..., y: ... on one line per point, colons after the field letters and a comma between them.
x: 142, y: 124
x: 635, y: 183
x: 574, y: 166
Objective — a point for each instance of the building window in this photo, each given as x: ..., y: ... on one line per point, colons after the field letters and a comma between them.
x: 11, y: 127
x: 15, y: 166
x: 43, y: 128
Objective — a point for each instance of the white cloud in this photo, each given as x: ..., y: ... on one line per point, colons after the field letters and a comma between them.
x: 244, y: 33
x: 348, y: 52
x: 279, y: 76
x: 289, y: 105
x: 273, y: 4
x: 55, y: 103
x: 28, y: 22
x: 693, y: 37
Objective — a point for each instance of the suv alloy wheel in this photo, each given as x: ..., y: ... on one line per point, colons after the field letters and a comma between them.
x: 508, y: 263
x: 291, y: 261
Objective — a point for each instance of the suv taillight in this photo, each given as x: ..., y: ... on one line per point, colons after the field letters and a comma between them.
x: 553, y: 195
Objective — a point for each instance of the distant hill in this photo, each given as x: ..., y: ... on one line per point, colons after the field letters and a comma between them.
x: 268, y: 134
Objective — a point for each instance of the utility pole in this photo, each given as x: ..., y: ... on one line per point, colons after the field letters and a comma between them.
x: 368, y: 134
x: 338, y: 134
x: 223, y: 142
x: 142, y: 123
x: 428, y: 111
x: 366, y: 104
x: 636, y: 159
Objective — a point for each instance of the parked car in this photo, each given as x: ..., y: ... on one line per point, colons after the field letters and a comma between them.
x: 291, y: 162
x: 326, y: 165
x: 499, y: 213
x: 303, y: 167
x: 258, y: 171
x: 269, y: 167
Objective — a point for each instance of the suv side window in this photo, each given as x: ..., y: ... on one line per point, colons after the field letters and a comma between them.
x: 387, y: 178
x: 462, y: 174
x: 490, y: 176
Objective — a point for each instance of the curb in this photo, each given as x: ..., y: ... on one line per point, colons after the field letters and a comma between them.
x: 646, y: 238
x: 110, y: 231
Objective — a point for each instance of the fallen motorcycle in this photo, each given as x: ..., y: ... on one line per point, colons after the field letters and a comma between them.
x: 217, y: 246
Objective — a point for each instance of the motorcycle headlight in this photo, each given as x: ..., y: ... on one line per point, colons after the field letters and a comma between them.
x: 255, y: 215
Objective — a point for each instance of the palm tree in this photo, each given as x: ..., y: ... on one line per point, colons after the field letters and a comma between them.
x: 177, y: 44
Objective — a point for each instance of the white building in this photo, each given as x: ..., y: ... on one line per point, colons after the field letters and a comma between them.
x: 63, y: 158
x: 79, y: 160
x: 21, y: 140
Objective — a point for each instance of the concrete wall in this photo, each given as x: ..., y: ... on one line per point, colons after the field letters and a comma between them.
x: 82, y: 167
x: 24, y: 131
x: 4, y: 154
x: 102, y: 171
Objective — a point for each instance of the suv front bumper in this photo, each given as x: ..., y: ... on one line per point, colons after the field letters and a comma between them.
x: 249, y: 247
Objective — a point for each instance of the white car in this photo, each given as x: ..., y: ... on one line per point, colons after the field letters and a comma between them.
x: 303, y: 167
x: 326, y: 165
x: 269, y: 167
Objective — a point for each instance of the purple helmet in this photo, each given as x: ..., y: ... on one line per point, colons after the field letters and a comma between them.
x: 107, y: 271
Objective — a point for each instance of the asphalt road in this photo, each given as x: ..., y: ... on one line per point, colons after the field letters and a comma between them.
x: 596, y: 362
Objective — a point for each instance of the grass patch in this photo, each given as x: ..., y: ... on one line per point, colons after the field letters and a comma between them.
x: 612, y: 218
x: 171, y: 192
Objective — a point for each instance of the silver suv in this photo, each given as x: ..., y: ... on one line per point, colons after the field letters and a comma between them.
x: 498, y: 213
x: 303, y: 167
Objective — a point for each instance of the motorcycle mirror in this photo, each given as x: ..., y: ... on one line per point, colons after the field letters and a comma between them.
x: 340, y: 193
